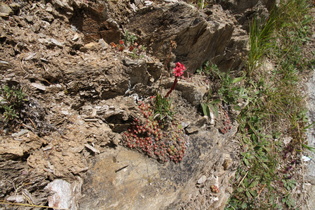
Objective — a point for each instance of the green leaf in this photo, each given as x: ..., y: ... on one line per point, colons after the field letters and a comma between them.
x: 240, y: 189
x: 254, y: 184
x: 237, y: 79
x: 244, y: 205
x: 246, y: 162
x: 205, y: 109
x: 253, y: 193
x: 248, y: 195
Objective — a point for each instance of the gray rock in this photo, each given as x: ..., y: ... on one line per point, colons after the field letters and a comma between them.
x: 310, y: 171
x: 191, y: 129
x: 191, y: 92
x: 29, y: 18
x: 20, y: 133
x: 56, y: 42
x: 92, y: 148
x: 103, y: 44
x: 202, y: 179
x: 16, y: 198
x: 5, y: 10
x: 64, y: 4
x: 39, y: 86
x: 179, y: 29
x: 49, y: 8
x: 147, y: 184
x: 137, y: 70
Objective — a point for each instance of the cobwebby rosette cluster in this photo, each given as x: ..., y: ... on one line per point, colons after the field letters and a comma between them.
x: 179, y: 69
x: 178, y: 72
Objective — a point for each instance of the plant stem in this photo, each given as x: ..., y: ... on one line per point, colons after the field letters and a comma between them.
x: 172, y: 88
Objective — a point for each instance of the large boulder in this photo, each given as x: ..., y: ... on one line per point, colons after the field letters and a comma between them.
x: 123, y: 179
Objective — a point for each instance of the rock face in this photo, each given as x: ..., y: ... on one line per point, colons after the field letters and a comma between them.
x: 240, y: 6
x: 182, y: 33
x: 123, y: 179
x: 310, y: 172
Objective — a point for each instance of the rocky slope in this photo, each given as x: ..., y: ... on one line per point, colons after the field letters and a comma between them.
x: 83, y: 87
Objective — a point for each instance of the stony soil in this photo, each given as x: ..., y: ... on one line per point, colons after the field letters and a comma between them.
x: 82, y: 93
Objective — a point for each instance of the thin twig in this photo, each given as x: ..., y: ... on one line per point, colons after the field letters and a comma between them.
x: 242, y: 179
x: 261, y: 191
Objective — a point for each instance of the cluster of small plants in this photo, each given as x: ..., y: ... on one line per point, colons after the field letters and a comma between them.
x: 155, y: 138
x: 269, y: 174
x: 155, y: 132
x: 162, y: 108
x: 11, y: 101
x: 129, y: 43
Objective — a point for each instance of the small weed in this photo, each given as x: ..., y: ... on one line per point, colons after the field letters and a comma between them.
x: 130, y: 38
x: 128, y: 45
x: 9, y: 113
x: 13, y: 95
x: 227, y: 88
x: 162, y: 108
x: 211, y: 71
x: 12, y: 99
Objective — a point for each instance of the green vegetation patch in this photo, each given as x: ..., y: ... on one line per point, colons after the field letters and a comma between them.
x: 271, y: 111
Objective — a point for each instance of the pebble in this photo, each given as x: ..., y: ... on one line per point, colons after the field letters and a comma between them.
x: 39, y: 86
x: 103, y: 44
x: 5, y: 10
x: 16, y: 198
x: 49, y: 8
x: 202, y: 179
x: 91, y: 148
x: 75, y: 37
x: 20, y: 133
x: 56, y: 42
x: 89, y: 46
x: 29, y: 18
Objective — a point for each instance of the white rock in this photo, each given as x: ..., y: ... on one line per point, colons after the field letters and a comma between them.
x: 91, y: 148
x: 56, y: 42
x: 39, y: 86
x: 202, y: 179
x: 103, y: 44
x: 20, y: 133
x: 305, y: 158
x: 64, y: 112
x: 148, y: 3
x: 75, y: 37
x: 30, y: 56
x: 287, y: 140
x: 16, y: 198
x: 5, y: 10
x: 62, y: 194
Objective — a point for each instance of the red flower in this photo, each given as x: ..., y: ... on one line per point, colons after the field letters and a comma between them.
x: 121, y: 42
x: 178, y: 71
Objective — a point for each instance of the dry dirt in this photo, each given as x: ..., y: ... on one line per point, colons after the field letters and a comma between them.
x: 82, y: 93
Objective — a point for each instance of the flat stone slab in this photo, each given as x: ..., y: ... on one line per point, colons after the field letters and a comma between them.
x: 310, y: 172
